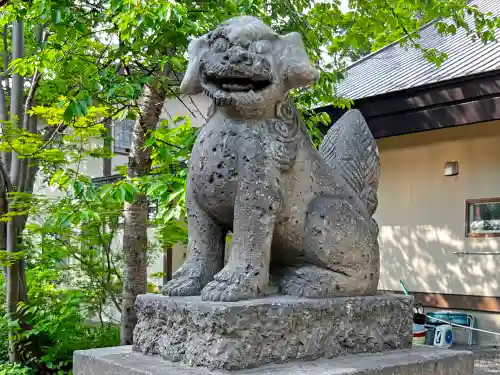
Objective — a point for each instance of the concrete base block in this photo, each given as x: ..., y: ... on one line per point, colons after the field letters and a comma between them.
x: 425, y: 360
x: 275, y: 329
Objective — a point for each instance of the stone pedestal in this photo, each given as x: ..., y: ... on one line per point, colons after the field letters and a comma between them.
x: 425, y: 360
x: 275, y: 329
x: 277, y: 335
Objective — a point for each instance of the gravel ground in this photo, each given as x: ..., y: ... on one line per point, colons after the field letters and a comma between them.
x: 487, y: 359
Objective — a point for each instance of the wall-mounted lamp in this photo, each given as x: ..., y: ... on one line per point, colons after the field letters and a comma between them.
x: 451, y: 168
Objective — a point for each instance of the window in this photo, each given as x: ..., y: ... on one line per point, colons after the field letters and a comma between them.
x: 482, y: 217
x: 100, y: 181
x: 122, y: 135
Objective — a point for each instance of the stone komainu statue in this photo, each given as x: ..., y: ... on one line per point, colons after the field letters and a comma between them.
x: 301, y: 219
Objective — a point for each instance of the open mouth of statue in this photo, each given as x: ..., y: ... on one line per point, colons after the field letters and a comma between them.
x: 235, y: 84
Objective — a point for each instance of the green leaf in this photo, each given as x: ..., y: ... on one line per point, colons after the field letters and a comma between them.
x: 77, y: 109
x: 78, y: 186
x: 56, y: 176
x: 69, y: 112
x: 105, y: 190
x: 130, y: 189
x: 174, y: 195
x: 169, y: 215
x: 65, y: 218
x: 150, y: 141
x: 115, y: 5
x: 79, y: 26
x: 176, y: 63
x: 122, y: 193
x: 83, y: 107
x: 156, y: 187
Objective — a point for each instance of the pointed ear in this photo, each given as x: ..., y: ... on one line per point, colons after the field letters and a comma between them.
x: 191, y: 84
x: 296, y: 68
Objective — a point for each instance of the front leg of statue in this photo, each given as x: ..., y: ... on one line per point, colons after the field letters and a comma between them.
x: 205, y: 255
x: 246, y: 274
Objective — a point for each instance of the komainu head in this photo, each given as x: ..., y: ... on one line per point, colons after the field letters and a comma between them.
x: 244, y: 63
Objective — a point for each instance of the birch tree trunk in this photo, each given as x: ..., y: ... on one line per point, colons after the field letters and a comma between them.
x: 135, y: 238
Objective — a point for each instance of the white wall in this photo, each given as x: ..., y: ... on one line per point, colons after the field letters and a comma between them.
x: 197, y: 108
x: 422, y: 214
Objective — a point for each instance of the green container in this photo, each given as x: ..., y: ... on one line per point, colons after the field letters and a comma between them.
x: 452, y: 317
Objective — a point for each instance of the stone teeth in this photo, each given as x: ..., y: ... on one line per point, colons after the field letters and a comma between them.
x: 208, y: 93
x: 236, y: 86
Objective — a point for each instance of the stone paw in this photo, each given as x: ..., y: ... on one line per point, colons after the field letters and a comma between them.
x: 311, y: 282
x: 228, y: 292
x: 182, y: 286
x: 296, y: 286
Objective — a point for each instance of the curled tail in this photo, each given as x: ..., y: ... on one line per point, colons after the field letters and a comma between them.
x: 349, y: 147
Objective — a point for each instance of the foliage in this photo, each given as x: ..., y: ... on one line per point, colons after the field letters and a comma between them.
x: 78, y: 231
x: 166, y: 185
x: 57, y: 315
x: 4, y: 339
x: 15, y: 369
x: 73, y: 265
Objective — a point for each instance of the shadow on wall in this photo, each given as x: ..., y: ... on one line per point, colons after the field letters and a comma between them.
x: 423, y: 257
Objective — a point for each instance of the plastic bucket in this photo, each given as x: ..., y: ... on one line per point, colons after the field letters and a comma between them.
x: 429, y: 335
x: 418, y: 328
x: 444, y: 336
x: 419, y: 338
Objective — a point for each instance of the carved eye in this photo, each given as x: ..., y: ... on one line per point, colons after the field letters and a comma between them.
x: 260, y: 46
x: 220, y: 45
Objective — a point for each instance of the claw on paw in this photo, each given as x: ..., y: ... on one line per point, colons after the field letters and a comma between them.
x: 227, y: 291
x: 183, y: 286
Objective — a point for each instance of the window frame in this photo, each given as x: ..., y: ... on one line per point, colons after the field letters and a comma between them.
x: 468, y: 204
x: 120, y: 150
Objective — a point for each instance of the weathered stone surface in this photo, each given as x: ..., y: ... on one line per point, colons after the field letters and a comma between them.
x: 254, y: 171
x: 244, y: 334
x: 416, y: 361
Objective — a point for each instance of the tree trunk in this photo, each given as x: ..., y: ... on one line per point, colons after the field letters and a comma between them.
x: 16, y: 280
x: 21, y: 180
x: 4, y: 114
x: 4, y: 91
x: 17, y: 92
x: 135, y: 239
x: 108, y: 144
x: 5, y: 159
x: 4, y: 208
x: 167, y: 265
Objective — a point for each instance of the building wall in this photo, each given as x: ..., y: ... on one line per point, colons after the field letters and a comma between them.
x: 422, y: 214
